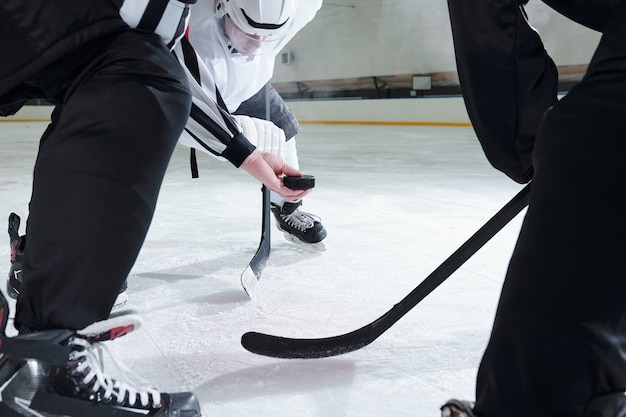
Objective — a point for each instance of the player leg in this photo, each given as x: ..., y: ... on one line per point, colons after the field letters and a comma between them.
x: 122, y: 103
x: 298, y: 226
x: 18, y: 244
x: 557, y: 347
x: 97, y: 177
x: 507, y: 79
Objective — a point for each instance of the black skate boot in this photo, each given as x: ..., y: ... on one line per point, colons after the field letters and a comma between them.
x: 457, y: 408
x: 18, y: 243
x: 60, y: 373
x: 299, y: 227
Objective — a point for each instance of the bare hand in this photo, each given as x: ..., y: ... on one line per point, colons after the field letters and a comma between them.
x: 269, y: 169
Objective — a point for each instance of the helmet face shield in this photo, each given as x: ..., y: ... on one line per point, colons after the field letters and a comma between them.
x: 244, y: 43
x: 248, y: 43
x: 249, y: 24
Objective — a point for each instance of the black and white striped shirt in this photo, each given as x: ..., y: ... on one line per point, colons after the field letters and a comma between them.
x: 167, y: 18
x: 211, y: 126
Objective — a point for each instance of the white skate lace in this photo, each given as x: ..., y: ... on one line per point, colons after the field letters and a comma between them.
x: 91, y: 364
x: 300, y: 220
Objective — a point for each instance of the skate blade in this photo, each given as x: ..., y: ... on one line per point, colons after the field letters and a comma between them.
x: 319, y: 246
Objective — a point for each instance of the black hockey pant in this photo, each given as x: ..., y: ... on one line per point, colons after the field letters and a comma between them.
x: 279, y: 113
x: 121, y: 104
x: 558, y: 343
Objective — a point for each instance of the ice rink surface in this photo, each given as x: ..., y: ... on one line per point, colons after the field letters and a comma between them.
x: 396, y: 201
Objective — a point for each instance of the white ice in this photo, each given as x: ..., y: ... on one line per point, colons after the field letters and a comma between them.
x: 396, y: 201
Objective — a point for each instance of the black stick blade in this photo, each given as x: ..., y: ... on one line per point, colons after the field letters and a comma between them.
x: 324, y: 347
x: 288, y: 348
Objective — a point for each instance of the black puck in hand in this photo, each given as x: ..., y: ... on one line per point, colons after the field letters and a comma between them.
x: 299, y: 183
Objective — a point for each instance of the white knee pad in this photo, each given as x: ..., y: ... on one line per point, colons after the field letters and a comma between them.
x: 265, y: 135
x: 291, y: 153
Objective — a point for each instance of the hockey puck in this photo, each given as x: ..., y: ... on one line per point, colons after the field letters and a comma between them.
x: 299, y: 183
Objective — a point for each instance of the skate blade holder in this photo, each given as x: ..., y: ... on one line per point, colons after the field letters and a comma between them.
x: 305, y: 182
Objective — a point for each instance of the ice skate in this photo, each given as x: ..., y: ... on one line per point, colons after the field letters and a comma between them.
x: 14, y: 283
x: 457, y: 408
x: 299, y: 227
x: 60, y: 373
x: 17, y: 243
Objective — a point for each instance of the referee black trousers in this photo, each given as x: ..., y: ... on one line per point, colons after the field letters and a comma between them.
x: 558, y: 344
x: 121, y: 104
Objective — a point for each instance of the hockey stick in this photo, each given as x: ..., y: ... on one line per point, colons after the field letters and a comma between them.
x: 252, y: 274
x: 288, y: 348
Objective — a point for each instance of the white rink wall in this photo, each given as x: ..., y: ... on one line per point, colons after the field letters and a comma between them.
x: 419, y: 111
x: 426, y: 111
x: 30, y: 114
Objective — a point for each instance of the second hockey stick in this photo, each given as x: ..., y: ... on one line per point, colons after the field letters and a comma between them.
x: 290, y: 348
x: 252, y: 274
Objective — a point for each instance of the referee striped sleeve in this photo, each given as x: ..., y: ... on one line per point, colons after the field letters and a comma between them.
x: 167, y: 18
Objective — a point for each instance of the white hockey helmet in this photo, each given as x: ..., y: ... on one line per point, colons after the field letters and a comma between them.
x: 259, y: 17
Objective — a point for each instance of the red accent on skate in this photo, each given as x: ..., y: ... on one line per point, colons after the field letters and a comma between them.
x: 121, y: 331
